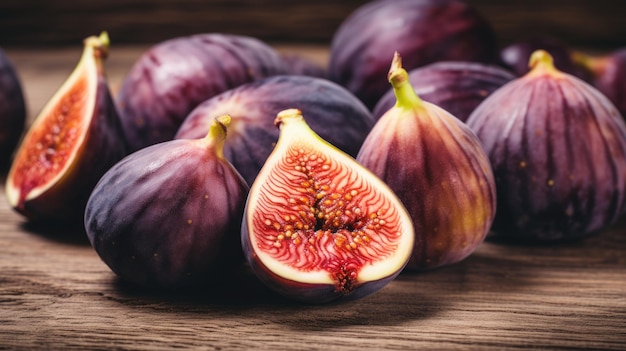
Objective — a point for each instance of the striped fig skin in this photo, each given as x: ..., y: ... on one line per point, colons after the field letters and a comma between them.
x: 558, y: 150
x: 12, y: 109
x: 456, y: 86
x: 174, y: 76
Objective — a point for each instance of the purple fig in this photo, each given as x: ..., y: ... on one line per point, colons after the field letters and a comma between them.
x: 333, y: 112
x: 74, y: 140
x: 318, y: 226
x: 608, y: 74
x: 423, y: 31
x: 174, y: 76
x: 169, y: 215
x: 12, y: 110
x: 558, y: 150
x: 457, y: 87
x: 438, y: 168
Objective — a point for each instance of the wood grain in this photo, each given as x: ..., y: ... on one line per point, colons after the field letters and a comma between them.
x: 55, y: 292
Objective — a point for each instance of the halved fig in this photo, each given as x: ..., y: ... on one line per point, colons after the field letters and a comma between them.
x: 75, y: 139
x: 169, y: 215
x: 12, y: 110
x: 438, y: 168
x: 318, y: 226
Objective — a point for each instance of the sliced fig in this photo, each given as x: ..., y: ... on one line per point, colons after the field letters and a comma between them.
x: 332, y: 112
x: 174, y: 76
x: 12, y: 110
x: 557, y: 147
x: 74, y: 140
x: 318, y: 226
x: 169, y: 215
x: 423, y: 31
x: 438, y: 168
x: 456, y: 86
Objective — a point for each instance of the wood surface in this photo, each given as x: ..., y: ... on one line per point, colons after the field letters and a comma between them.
x: 55, y: 292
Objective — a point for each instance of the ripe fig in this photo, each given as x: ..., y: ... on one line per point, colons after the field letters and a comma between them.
x: 515, y: 56
x: 608, y: 74
x: 174, y: 76
x: 438, y: 168
x: 12, y: 110
x: 333, y: 112
x: 457, y: 87
x: 424, y: 31
x: 169, y: 215
x: 317, y: 225
x: 557, y: 147
x: 74, y: 140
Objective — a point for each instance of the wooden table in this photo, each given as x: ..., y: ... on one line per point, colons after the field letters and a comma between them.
x: 55, y: 293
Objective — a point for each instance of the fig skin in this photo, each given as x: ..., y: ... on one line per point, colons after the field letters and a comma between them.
x: 457, y: 87
x: 174, y: 76
x: 99, y: 145
x: 440, y: 172
x: 169, y: 215
x: 332, y: 111
x: 12, y: 110
x: 607, y: 74
x: 318, y: 227
x: 423, y: 31
x: 558, y: 150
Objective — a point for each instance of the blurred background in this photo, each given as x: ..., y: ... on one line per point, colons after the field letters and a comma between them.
x: 599, y: 24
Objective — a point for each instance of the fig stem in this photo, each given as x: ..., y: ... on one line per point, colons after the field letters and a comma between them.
x: 541, y: 62
x: 216, y: 136
x: 99, y: 44
x: 402, y: 88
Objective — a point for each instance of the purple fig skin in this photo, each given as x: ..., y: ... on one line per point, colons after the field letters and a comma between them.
x: 174, y: 76
x: 438, y: 169
x: 515, y: 56
x: 457, y: 87
x: 12, y: 110
x: 300, y: 65
x: 168, y: 215
x: 333, y: 112
x: 558, y: 150
x: 422, y: 31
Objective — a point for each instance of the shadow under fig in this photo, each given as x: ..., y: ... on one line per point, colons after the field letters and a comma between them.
x: 66, y: 233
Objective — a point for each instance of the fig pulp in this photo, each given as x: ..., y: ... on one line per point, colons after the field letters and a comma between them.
x: 332, y: 112
x: 12, y: 110
x: 317, y: 225
x: 457, y: 87
x: 174, y: 76
x: 557, y: 147
x: 169, y: 215
x: 424, y: 31
x: 438, y: 168
x: 75, y: 139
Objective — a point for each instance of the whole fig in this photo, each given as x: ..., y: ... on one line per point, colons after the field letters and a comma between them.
x: 174, y: 76
x: 169, y: 215
x: 12, y: 110
x: 457, y: 87
x: 424, y: 31
x: 333, y: 112
x: 438, y: 168
x: 317, y: 225
x: 74, y: 140
x: 557, y: 147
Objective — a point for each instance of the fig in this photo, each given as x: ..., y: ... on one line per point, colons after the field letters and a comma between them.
x: 557, y: 147
x: 73, y: 141
x: 515, y: 56
x: 169, y: 215
x: 608, y: 74
x: 332, y: 111
x: 319, y: 227
x: 456, y: 86
x: 171, y: 78
x: 439, y: 170
x: 12, y: 110
x: 424, y: 31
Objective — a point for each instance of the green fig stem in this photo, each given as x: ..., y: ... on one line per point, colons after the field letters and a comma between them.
x: 406, y: 97
x: 216, y: 136
x: 99, y: 44
x: 541, y: 62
